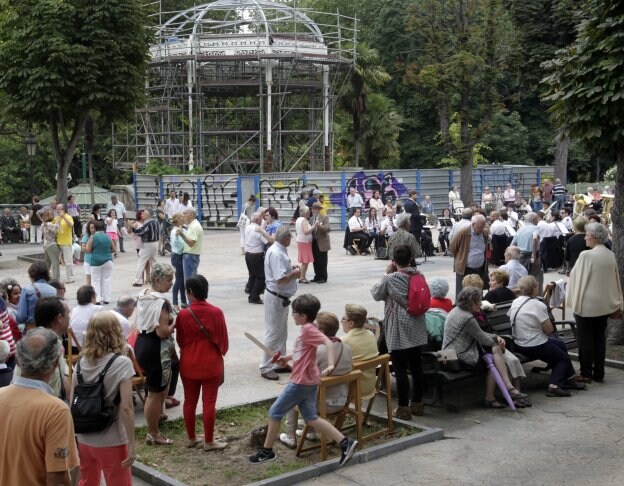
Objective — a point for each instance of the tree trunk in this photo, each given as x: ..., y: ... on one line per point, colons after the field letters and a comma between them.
x: 616, y: 332
x: 562, y: 141
x: 64, y: 155
x: 90, y: 142
x: 465, y: 158
x: 357, y: 133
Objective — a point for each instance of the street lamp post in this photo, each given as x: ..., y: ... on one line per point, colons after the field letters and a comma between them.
x: 31, y: 148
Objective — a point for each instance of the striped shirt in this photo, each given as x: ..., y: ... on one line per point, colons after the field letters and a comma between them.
x: 149, y: 232
x: 5, y: 328
x: 559, y: 190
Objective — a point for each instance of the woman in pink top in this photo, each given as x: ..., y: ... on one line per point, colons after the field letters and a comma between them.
x: 304, y: 242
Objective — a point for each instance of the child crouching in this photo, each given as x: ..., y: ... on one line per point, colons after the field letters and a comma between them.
x: 302, y: 389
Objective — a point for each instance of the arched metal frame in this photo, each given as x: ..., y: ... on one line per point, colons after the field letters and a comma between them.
x: 241, y: 86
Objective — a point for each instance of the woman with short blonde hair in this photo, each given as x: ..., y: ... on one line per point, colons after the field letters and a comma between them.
x: 111, y: 451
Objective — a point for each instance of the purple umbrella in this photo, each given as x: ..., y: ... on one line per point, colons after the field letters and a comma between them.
x: 489, y: 360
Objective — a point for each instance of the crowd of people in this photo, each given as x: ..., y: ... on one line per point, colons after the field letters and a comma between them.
x: 499, y: 250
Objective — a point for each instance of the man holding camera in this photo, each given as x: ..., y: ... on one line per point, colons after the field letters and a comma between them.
x: 281, y: 284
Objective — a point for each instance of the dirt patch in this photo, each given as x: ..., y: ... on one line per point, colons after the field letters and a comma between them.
x: 231, y: 466
x: 615, y: 351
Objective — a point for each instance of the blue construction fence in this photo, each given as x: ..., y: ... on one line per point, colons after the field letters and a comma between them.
x: 219, y: 198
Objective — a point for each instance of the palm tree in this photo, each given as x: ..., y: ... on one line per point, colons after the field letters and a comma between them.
x: 368, y: 73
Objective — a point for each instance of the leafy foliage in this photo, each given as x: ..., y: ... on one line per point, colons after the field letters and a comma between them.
x: 586, y: 87
x: 63, y: 60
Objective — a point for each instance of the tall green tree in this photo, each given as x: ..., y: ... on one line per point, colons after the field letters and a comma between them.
x: 464, y: 48
x: 368, y: 74
x: 586, y: 87
x: 542, y: 27
x: 64, y: 60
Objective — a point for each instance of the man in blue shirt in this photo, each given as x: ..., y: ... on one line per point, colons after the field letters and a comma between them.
x: 527, y: 239
x: 39, y: 275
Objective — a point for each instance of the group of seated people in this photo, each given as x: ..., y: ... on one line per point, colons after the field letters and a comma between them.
x: 15, y: 230
x: 465, y: 329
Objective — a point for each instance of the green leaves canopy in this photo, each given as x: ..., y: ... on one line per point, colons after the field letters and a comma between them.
x: 64, y: 59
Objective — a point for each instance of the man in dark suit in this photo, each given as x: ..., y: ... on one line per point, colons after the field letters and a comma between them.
x: 320, y: 243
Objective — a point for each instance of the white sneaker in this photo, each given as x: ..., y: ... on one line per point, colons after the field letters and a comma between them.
x: 310, y: 436
x: 289, y: 442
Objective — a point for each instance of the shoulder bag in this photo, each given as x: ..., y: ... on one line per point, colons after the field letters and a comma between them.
x: 207, y: 334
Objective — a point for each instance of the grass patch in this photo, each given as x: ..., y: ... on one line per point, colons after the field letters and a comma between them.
x: 230, y: 466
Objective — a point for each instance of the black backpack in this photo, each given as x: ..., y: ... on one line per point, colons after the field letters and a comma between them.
x: 88, y: 408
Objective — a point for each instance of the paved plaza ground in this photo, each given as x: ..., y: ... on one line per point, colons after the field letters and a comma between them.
x: 578, y: 440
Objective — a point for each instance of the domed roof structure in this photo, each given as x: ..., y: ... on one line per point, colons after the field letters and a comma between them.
x: 242, y: 86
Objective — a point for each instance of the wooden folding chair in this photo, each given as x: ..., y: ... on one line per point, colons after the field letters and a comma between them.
x: 138, y: 381
x: 71, y: 357
x: 382, y: 387
x: 354, y: 396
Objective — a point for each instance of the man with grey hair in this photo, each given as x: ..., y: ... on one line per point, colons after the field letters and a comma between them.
x: 281, y: 284
x: 255, y: 243
x: 150, y: 234
x: 469, y: 249
x: 402, y: 236
x: 193, y: 239
x: 37, y: 444
x: 527, y: 239
x: 123, y: 311
x: 513, y: 266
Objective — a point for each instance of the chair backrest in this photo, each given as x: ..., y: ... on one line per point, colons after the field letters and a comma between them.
x: 548, y: 290
x: 498, y: 320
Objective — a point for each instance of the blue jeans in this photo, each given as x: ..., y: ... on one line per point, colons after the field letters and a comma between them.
x: 178, y: 285
x: 190, y: 263
x: 301, y: 396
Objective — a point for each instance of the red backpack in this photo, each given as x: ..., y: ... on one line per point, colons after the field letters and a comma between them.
x: 418, y: 295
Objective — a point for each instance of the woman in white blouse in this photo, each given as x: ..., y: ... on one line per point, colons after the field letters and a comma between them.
x: 376, y: 203
x: 373, y: 224
x: 453, y: 197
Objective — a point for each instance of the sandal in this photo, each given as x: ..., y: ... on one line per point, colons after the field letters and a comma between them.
x: 190, y: 443
x: 158, y: 440
x: 522, y: 403
x: 514, y: 393
x: 171, y: 402
x: 494, y: 404
x: 304, y: 281
x: 215, y: 445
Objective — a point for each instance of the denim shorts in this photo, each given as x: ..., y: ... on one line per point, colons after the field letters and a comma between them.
x: 302, y: 396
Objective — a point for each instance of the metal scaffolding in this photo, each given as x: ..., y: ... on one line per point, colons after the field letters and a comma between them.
x: 241, y: 86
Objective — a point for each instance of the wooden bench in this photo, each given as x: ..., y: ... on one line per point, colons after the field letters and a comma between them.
x: 436, y: 377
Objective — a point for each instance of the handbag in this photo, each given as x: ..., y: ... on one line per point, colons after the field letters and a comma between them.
x: 448, y: 359
x: 207, y: 334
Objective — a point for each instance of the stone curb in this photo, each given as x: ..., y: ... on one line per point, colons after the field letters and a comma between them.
x: 428, y: 434
x: 152, y: 476
x: 310, y: 472
x: 612, y: 363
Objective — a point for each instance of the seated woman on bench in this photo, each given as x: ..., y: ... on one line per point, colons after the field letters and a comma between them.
x: 533, y: 334
x: 463, y: 334
x: 499, y: 290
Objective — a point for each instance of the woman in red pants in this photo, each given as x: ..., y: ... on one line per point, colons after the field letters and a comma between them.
x: 203, y: 340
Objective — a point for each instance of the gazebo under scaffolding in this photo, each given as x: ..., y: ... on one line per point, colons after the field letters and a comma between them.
x: 241, y: 86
